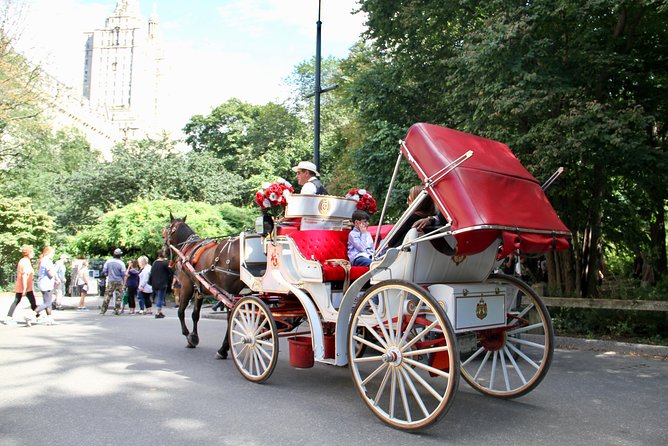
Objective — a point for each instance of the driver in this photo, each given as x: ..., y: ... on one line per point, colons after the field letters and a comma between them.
x: 307, y: 175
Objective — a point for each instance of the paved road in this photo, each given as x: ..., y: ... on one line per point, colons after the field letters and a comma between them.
x: 117, y: 380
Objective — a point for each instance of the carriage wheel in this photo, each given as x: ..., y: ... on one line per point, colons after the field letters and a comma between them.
x: 360, y: 347
x: 410, y: 372
x: 253, y: 339
x: 510, y: 361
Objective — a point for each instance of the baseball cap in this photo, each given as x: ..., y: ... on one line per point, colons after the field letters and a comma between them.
x: 118, y: 252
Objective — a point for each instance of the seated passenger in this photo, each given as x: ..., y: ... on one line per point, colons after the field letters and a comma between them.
x: 360, y: 242
x: 422, y: 213
x: 307, y: 175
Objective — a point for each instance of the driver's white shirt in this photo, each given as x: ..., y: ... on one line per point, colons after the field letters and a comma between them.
x: 309, y: 188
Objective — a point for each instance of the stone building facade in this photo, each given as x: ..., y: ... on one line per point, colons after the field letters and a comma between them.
x: 122, y: 70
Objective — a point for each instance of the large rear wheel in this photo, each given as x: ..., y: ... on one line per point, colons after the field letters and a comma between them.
x: 409, y: 374
x: 510, y: 361
x: 253, y: 339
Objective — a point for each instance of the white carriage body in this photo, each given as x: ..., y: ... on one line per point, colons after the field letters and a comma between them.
x: 418, y: 302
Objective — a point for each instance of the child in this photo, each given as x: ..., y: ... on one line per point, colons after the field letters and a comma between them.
x: 360, y: 243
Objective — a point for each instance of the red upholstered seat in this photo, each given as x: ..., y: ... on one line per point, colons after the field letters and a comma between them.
x: 323, y: 245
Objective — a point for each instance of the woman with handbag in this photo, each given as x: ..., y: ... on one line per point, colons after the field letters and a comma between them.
x: 82, y: 285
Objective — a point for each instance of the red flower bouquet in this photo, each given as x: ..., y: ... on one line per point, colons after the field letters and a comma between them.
x: 273, y: 195
x: 365, y: 202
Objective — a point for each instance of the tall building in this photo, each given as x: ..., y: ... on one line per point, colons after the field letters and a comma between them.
x: 122, y: 70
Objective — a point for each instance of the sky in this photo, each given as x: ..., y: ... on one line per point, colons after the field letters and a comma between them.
x: 214, y: 49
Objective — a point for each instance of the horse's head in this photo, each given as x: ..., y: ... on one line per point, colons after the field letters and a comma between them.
x: 177, y: 231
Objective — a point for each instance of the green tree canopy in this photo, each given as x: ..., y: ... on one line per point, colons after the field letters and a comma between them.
x: 257, y: 142
x: 137, y: 227
x: 574, y: 84
x: 21, y: 224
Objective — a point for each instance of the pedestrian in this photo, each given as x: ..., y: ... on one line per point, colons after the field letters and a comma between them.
x: 144, y: 289
x: 176, y: 289
x: 24, y: 283
x: 46, y: 281
x: 114, y: 269
x: 82, y: 285
x: 131, y: 284
x: 59, y: 290
x: 159, y: 279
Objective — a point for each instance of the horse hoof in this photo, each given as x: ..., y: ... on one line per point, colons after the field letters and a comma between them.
x: 219, y: 356
x: 189, y: 345
x: 193, y: 340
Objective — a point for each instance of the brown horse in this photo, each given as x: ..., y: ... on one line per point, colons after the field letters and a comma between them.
x: 215, y: 261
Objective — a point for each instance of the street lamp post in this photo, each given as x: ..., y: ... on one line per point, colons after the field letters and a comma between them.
x: 318, y: 90
x: 316, y: 125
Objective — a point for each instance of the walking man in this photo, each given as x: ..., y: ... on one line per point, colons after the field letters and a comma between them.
x: 114, y: 269
x: 59, y: 290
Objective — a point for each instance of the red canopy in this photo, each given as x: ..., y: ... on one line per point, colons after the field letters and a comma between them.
x: 488, y: 196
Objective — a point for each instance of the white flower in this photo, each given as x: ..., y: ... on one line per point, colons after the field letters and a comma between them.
x: 356, y: 197
x: 362, y: 192
x: 266, y: 185
x: 286, y: 193
x: 266, y: 203
x: 272, y: 196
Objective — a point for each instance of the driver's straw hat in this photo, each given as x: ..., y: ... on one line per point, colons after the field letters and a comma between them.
x: 307, y: 165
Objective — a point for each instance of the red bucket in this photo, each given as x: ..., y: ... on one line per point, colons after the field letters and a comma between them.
x: 330, y: 346
x: 301, y: 352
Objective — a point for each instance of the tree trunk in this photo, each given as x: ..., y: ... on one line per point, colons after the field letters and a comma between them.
x: 560, y: 273
x: 590, y: 261
x: 657, y: 234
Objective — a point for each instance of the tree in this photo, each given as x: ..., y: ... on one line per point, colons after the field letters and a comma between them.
x: 562, y: 83
x: 137, y: 227
x: 21, y: 224
x: 258, y: 143
x: 147, y: 169
x: 19, y: 87
x: 337, y: 126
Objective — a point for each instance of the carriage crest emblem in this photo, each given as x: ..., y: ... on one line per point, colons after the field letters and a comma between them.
x: 274, y: 260
x: 481, y: 309
x: 324, y: 206
x: 458, y: 259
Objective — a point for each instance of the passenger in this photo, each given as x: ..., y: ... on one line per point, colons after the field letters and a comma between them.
x: 307, y: 175
x: 423, y: 212
x: 360, y: 242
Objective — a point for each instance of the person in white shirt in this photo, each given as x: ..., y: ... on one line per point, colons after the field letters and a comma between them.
x: 307, y: 175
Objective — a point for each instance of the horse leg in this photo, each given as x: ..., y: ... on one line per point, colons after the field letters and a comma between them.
x: 222, y: 351
x: 187, y: 294
x: 193, y: 337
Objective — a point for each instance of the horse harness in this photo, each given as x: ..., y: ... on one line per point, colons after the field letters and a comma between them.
x: 190, y: 253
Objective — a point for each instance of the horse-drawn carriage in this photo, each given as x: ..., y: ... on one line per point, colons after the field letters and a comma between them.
x: 424, y: 312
